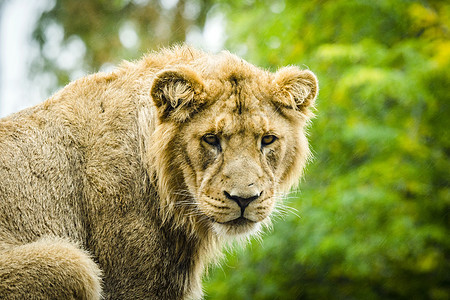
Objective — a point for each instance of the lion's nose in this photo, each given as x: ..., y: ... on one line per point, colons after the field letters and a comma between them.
x: 243, y: 202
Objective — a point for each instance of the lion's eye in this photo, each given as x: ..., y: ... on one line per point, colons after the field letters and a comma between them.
x: 212, y: 139
x: 268, y: 139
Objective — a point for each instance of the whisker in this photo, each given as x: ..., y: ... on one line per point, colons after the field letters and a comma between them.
x: 285, y: 210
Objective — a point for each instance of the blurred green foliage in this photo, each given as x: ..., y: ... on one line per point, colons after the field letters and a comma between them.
x: 105, y: 32
x: 375, y: 202
x: 374, y: 205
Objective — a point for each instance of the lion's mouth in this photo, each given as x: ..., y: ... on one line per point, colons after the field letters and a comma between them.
x: 241, y: 221
x: 238, y: 227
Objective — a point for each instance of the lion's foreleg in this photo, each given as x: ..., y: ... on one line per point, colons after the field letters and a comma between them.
x: 48, y: 269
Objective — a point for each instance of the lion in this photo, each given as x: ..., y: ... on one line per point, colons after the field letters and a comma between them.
x: 126, y: 185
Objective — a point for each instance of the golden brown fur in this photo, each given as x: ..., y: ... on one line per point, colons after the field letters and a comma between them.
x: 125, y: 185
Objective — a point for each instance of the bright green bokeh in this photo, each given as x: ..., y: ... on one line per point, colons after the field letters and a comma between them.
x: 374, y: 204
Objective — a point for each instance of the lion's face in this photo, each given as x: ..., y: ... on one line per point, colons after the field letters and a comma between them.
x: 240, y: 142
x: 235, y: 163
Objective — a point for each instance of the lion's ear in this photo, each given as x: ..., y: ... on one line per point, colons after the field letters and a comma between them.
x: 296, y: 89
x: 177, y: 94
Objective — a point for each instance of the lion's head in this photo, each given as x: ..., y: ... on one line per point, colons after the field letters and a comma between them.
x: 230, y: 138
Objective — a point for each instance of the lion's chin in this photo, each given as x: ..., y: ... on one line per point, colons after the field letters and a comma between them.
x: 236, y: 228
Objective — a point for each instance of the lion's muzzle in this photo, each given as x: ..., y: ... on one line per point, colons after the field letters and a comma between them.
x: 243, y: 202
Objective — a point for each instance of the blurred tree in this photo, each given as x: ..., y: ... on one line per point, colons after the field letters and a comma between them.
x: 376, y: 201
x: 76, y: 37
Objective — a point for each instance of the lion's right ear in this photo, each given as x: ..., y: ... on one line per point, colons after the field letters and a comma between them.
x: 177, y: 94
x: 296, y: 89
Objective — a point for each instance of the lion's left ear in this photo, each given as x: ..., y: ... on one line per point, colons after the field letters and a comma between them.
x: 296, y: 89
x: 177, y: 93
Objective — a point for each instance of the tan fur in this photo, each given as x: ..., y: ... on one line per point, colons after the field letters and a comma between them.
x: 138, y: 176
